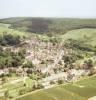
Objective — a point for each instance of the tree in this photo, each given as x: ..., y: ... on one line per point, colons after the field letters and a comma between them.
x: 29, y: 64
x: 9, y: 39
x: 6, y: 94
x: 68, y: 59
x: 17, y: 61
x: 60, y: 81
x: 22, y: 91
x: 39, y: 86
x: 89, y: 64
x: 3, y: 79
x: 52, y: 82
x: 22, y: 53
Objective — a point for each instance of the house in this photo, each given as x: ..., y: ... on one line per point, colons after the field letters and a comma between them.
x: 2, y: 72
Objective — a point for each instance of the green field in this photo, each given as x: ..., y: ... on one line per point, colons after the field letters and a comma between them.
x: 5, y: 28
x: 87, y: 35
x: 13, y: 86
x: 81, y: 90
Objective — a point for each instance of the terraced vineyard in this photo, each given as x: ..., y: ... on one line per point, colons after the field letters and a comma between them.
x: 82, y: 90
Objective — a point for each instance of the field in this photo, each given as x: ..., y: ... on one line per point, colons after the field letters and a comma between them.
x: 13, y: 86
x: 5, y: 28
x: 81, y: 90
x: 87, y: 35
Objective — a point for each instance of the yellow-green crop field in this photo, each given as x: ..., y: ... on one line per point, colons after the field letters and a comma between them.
x: 82, y: 90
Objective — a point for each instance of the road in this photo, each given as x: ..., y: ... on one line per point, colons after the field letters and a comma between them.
x: 57, y: 59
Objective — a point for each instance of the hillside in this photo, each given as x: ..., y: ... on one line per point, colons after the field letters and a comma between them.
x: 48, y: 25
x: 87, y: 35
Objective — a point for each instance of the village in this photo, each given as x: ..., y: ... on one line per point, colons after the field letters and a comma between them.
x: 46, y: 61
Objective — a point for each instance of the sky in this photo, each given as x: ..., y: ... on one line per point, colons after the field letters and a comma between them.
x: 48, y: 8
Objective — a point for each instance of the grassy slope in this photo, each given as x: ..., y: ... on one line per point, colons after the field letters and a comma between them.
x: 5, y: 28
x: 78, y: 91
x: 88, y: 35
x: 55, y: 25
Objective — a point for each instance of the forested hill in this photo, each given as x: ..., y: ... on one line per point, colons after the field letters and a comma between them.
x: 48, y: 25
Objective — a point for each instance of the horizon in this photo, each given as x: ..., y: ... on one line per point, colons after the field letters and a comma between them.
x: 48, y: 17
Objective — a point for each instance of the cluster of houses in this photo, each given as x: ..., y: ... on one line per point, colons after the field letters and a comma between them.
x: 71, y: 76
x: 46, y: 57
x: 4, y: 71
